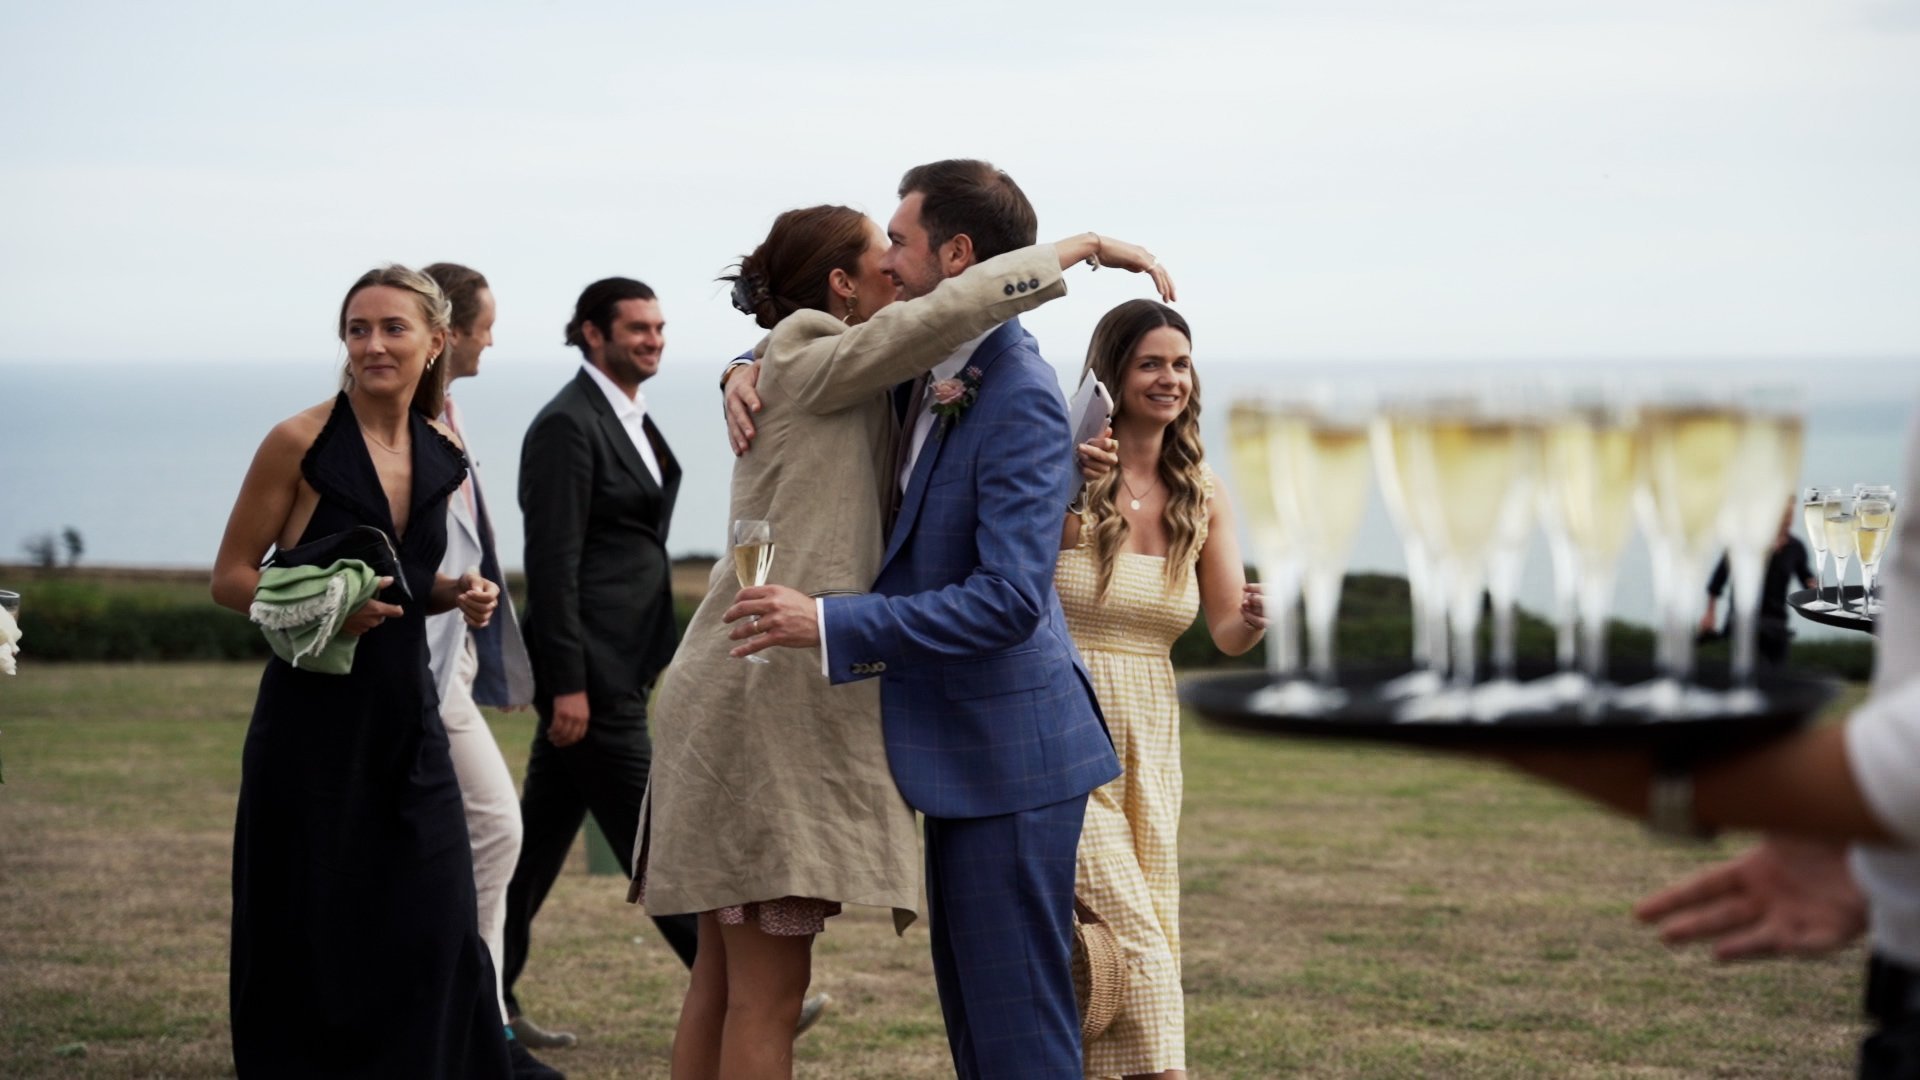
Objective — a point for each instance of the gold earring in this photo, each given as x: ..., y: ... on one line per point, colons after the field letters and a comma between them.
x: 851, y: 297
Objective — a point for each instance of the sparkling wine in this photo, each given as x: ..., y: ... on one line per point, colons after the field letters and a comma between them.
x: 1247, y: 439
x: 1325, y: 468
x: 1766, y: 468
x: 752, y: 563
x: 1813, y: 516
x: 1870, y: 542
x: 1472, y: 466
x: 1839, y: 530
x: 1592, y: 466
x: 1690, y: 465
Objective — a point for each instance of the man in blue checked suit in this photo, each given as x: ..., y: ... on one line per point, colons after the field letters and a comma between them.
x: 991, y: 726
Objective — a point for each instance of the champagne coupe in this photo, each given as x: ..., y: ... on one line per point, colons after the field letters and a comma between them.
x: 1813, y: 517
x: 1690, y: 453
x: 1593, y: 466
x: 1248, y: 424
x: 752, y: 559
x: 1840, y: 545
x: 1319, y: 462
x: 1872, y: 520
x: 1759, y: 504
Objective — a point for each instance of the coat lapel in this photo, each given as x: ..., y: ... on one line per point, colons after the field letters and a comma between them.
x: 983, y: 357
x: 616, y: 434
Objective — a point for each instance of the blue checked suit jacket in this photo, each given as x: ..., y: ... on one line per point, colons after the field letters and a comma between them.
x: 986, y: 706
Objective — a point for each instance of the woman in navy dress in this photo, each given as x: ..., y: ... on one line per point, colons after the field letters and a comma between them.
x: 355, y: 949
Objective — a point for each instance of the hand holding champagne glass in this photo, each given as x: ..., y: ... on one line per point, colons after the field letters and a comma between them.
x: 752, y: 558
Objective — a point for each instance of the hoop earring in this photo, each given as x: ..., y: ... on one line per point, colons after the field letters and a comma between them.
x: 848, y: 318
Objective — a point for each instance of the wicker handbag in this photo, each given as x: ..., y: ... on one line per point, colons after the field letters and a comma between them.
x: 1099, y: 971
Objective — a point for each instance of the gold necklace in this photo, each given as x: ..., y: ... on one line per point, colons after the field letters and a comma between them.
x: 1140, y: 495
x: 375, y: 439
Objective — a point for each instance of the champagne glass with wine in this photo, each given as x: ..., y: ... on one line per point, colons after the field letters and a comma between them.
x: 1813, y: 517
x: 1593, y: 464
x: 1840, y: 545
x: 1765, y: 467
x: 1248, y: 432
x: 752, y: 558
x: 1320, y: 465
x: 1873, y: 524
x: 1691, y: 447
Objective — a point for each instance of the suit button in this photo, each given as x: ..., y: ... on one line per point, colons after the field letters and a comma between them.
x: 880, y: 667
x: 1009, y: 290
x: 1023, y: 286
x: 1035, y: 283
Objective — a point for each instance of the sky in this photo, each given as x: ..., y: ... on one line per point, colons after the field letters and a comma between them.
x: 1416, y: 180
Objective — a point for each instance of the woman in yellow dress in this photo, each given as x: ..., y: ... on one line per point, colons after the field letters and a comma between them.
x: 1154, y: 544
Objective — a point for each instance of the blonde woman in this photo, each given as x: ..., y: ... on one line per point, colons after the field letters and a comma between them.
x: 355, y: 946
x: 1154, y: 544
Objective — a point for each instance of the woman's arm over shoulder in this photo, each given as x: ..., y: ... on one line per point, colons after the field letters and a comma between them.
x: 265, y: 502
x: 831, y: 365
x: 1223, y: 578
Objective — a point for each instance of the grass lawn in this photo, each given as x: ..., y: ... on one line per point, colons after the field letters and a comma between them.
x: 1348, y: 912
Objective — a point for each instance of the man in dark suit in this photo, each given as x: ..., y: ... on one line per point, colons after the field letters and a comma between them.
x: 597, y: 485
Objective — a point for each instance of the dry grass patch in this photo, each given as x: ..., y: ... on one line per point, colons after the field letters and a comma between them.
x: 1348, y: 913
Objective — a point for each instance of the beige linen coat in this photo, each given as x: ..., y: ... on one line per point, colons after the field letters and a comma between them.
x: 768, y: 781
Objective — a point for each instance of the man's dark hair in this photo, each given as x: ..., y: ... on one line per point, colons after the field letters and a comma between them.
x: 596, y: 306
x: 961, y: 195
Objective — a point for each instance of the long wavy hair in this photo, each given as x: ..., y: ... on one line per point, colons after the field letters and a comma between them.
x: 1179, y: 468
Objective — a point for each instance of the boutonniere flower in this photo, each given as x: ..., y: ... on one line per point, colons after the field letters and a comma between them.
x: 949, y: 399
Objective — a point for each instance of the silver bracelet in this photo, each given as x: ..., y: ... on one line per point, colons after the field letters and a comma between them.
x: 1670, y: 807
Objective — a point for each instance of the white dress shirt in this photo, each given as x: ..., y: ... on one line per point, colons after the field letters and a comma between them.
x: 632, y: 412
x: 922, y: 427
x: 1883, y: 741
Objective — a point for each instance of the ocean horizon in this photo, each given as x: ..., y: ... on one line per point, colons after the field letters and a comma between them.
x: 144, y: 459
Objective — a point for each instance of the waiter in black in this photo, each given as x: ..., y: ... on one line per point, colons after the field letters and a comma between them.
x: 597, y: 485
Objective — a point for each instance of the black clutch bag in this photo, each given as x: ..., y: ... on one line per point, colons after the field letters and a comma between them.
x: 362, y: 542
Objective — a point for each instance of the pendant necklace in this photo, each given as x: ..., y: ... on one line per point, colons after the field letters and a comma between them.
x: 1139, y: 495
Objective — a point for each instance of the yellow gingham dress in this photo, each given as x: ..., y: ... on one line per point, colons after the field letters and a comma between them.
x: 1129, y: 867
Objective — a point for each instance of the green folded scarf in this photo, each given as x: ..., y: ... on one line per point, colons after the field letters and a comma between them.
x: 300, y: 610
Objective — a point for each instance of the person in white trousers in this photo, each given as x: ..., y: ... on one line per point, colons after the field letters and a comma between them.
x: 480, y: 667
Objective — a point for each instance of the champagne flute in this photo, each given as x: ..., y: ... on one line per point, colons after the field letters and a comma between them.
x: 1813, y: 517
x: 1248, y: 433
x: 1392, y: 433
x: 1507, y: 558
x: 1840, y: 545
x: 752, y: 559
x: 1765, y: 468
x: 1320, y: 466
x: 1872, y: 519
x: 1690, y: 453
x: 1469, y: 466
x: 1593, y: 465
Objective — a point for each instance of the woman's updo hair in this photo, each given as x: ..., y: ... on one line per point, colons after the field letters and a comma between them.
x: 430, y: 396
x: 788, y: 271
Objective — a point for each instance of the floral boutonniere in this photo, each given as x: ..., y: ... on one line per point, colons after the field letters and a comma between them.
x: 948, y: 399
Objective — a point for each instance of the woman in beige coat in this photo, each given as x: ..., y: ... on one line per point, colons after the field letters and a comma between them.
x: 771, y: 803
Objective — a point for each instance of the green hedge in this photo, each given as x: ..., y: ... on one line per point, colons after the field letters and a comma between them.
x: 78, y: 618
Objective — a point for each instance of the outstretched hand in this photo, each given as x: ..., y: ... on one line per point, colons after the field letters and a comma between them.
x: 1787, y: 896
x: 1136, y: 259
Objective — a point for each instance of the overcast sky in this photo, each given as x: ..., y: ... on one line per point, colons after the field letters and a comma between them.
x: 1336, y: 179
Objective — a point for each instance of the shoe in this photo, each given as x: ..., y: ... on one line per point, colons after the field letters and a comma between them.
x: 810, y: 1011
x: 528, y: 1067
x: 533, y: 1037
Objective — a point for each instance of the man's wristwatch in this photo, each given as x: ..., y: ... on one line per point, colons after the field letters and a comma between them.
x: 1670, y: 807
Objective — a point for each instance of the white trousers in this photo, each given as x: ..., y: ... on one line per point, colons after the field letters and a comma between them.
x: 493, y: 805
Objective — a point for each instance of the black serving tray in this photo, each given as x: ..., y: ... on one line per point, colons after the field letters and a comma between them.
x: 1788, y: 701
x: 1852, y: 620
